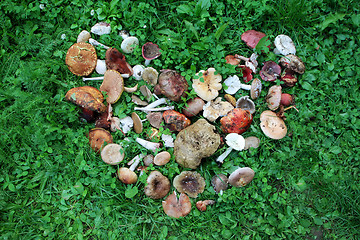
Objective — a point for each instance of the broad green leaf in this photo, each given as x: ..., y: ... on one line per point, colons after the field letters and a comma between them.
x: 332, y: 18
x: 204, y: 4
x: 184, y: 9
x: 191, y: 27
x: 130, y: 192
x: 356, y: 19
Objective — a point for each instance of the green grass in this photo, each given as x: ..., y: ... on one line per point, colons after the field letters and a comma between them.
x: 53, y: 186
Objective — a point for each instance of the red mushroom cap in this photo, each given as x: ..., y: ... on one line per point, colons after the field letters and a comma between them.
x: 247, y: 74
x: 150, y: 51
x: 236, y: 121
x: 115, y: 60
x: 252, y: 38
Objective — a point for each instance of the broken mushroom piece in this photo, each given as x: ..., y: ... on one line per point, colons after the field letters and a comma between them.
x: 150, y: 51
x: 81, y: 59
x: 284, y: 45
x: 236, y: 121
x: 250, y: 62
x: 207, y: 84
x: 270, y: 71
x: 219, y: 183
x: 101, y: 28
x: 98, y: 137
x: 273, y: 97
x: 255, y: 88
x: 171, y: 84
x: 176, y: 208
x: 97, y: 43
x: 293, y: 62
x: 113, y: 85
x: 138, y: 126
x: 83, y: 36
x: 201, y: 205
x: 162, y: 158
x: 115, y: 60
x: 157, y: 185
x: 251, y: 142
x: 128, y: 44
x: 194, y: 106
x: 289, y: 78
x: 272, y: 125
x: 246, y: 104
x: 241, y: 177
x: 150, y: 75
x: 216, y: 108
x: 168, y: 140
x: 235, y: 142
x: 127, y: 175
x: 189, y: 182
x: 112, y: 154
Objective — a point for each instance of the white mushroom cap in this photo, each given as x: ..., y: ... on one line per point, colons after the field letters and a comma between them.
x: 233, y: 84
x: 235, y: 141
x: 150, y: 75
x: 272, y: 126
x: 208, y: 85
x: 168, y: 140
x: 126, y: 124
x: 284, y: 45
x: 83, y: 36
x: 138, y: 71
x: 100, y: 67
x: 128, y: 44
x: 101, y: 28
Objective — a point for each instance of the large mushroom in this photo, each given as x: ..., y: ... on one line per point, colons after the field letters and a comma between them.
x: 113, y: 85
x: 115, y: 60
x: 272, y: 125
x: 284, y: 45
x: 81, y: 59
x: 87, y: 97
x: 171, y: 84
x: 175, y: 207
x: 236, y: 121
x: 158, y: 186
x: 189, y: 182
x: 207, y: 84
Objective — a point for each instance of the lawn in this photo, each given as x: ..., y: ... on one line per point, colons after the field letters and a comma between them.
x: 54, y: 186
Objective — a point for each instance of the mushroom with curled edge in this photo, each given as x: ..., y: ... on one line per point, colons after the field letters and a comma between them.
x: 127, y: 175
x: 207, y: 84
x: 284, y: 45
x: 246, y: 104
x: 157, y: 185
x: 171, y: 84
x: 272, y: 125
x: 235, y: 142
x: 219, y: 183
x: 189, y: 182
x: 138, y: 72
x: 273, y: 97
x: 216, y: 108
x: 241, y: 177
x: 236, y: 121
x: 150, y: 51
x: 293, y: 62
x: 270, y: 71
x: 150, y: 75
x: 81, y: 58
x: 202, y: 205
x: 98, y: 137
x: 251, y: 142
x: 112, y: 154
x: 115, y: 60
x: 174, y: 207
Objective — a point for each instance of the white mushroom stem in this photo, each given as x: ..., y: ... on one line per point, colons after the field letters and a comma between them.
x: 96, y: 43
x: 152, y: 105
x: 155, y: 109
x: 242, y: 58
x: 135, y: 161
x: 245, y: 86
x: 148, y: 145
x: 102, y: 78
x: 221, y: 158
x: 147, y: 62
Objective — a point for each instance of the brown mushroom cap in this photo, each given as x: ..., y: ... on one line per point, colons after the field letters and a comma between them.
x: 207, y: 86
x: 148, y: 159
x: 150, y: 51
x: 113, y: 85
x: 194, y: 106
x: 255, y: 88
x: 252, y: 38
x: 273, y: 97
x: 241, y: 177
x: 219, y: 182
x: 127, y: 176
x: 189, y: 182
x: 252, y: 141
x: 98, y: 137
x: 81, y: 58
x: 86, y: 97
x: 171, y: 84
x: 162, y: 158
x: 231, y: 59
x: 155, y: 119
x: 158, y: 186
x: 293, y: 62
x: 176, y: 208
x: 272, y: 126
x: 175, y: 121
x: 112, y: 154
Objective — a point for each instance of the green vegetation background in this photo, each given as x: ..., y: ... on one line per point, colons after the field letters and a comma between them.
x: 54, y: 187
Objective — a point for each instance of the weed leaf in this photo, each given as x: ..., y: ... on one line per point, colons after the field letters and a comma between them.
x: 332, y: 18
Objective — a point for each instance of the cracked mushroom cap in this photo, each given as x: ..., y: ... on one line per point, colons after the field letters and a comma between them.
x: 241, y: 177
x: 189, y: 182
x: 81, y: 58
x: 293, y: 62
x: 215, y: 109
x: 113, y: 85
x: 219, y: 182
x: 112, y: 154
x: 208, y: 84
x: 174, y: 207
x: 158, y: 186
x: 273, y: 98
x: 284, y: 45
x: 272, y: 125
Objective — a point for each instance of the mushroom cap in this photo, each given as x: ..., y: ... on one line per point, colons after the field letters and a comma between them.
x: 202, y: 205
x: 256, y: 87
x: 246, y: 104
x: 175, y: 121
x: 101, y: 28
x: 287, y: 99
x: 231, y: 59
x: 219, y: 182
x: 112, y: 154
x: 148, y: 159
x: 81, y: 58
x: 252, y: 38
x: 284, y: 45
x: 233, y: 84
x: 150, y: 51
x: 194, y: 106
x: 100, y: 67
x: 272, y: 125
x: 236, y: 121
x: 128, y: 44
x: 293, y: 62
x: 241, y: 177
x: 215, y: 109
x: 83, y: 36
x: 189, y: 182
x: 127, y: 176
x: 176, y: 208
x: 273, y: 97
x: 247, y: 73
x: 162, y: 158
x: 289, y: 78
x: 158, y: 186
x: 252, y: 141
x: 208, y: 85
x: 115, y: 60
x: 138, y: 126
x: 126, y: 124
x: 146, y: 92
x: 235, y: 141
x: 171, y: 84
x: 230, y: 99
x: 138, y: 72
x: 270, y: 71
x: 113, y: 85
x: 87, y: 97
x: 98, y: 137
x: 150, y: 75
x: 168, y: 140
x: 155, y: 119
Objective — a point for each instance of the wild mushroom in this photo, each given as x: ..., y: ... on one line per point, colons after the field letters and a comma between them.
x: 251, y: 142
x: 101, y: 28
x: 162, y: 158
x: 236, y: 121
x: 138, y: 71
x: 201, y: 205
x: 284, y: 45
x: 194, y: 106
x: 189, y: 182
x: 155, y: 119
x: 168, y: 140
x: 135, y: 99
x: 150, y: 51
x: 176, y: 208
x: 146, y: 92
x: 241, y: 177
x: 128, y: 44
x: 126, y: 124
x: 150, y: 75
x: 83, y: 36
x: 250, y: 62
x: 151, y: 106
x: 270, y: 71
x: 127, y: 175
x: 231, y: 59
x: 272, y: 125
x: 216, y: 108
x: 112, y: 154
x: 86, y: 97
x: 235, y: 142
x: 98, y: 137
x: 113, y: 85
x: 287, y: 99
x: 293, y: 62
x: 138, y: 126
x: 100, y: 67
x: 171, y: 84
x: 157, y: 185
x: 289, y: 78
x: 252, y: 38
x: 255, y: 88
x: 273, y: 97
x: 246, y: 104
x: 219, y: 183
x: 207, y: 84
x: 175, y: 121
x: 233, y: 84
x: 115, y: 60
x: 81, y: 59
x: 247, y: 73
x: 148, y: 145
x: 230, y: 99
x: 148, y: 159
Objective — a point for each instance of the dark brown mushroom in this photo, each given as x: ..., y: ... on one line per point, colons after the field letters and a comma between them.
x: 189, y: 182
x: 158, y: 186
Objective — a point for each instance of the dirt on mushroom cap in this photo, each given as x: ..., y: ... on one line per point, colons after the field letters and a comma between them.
x: 81, y: 59
x: 189, y: 182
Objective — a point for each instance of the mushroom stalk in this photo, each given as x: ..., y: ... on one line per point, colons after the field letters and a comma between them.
x: 102, y: 78
x: 135, y: 161
x: 221, y: 158
x: 148, y: 145
x: 147, y: 62
x: 154, y: 109
x: 152, y: 105
x: 96, y: 43
x: 245, y: 86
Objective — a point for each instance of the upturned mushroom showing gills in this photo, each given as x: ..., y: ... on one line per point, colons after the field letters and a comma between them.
x: 241, y: 177
x: 235, y: 142
x: 171, y: 84
x: 189, y: 182
x: 174, y: 207
x: 81, y: 59
x: 270, y: 71
x: 272, y: 125
x: 115, y: 60
x: 246, y: 104
x: 236, y: 121
x: 293, y: 62
x: 157, y: 185
x: 284, y: 45
x: 207, y: 84
x: 216, y: 108
x: 150, y: 51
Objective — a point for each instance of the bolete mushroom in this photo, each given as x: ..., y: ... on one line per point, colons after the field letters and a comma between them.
x: 236, y: 121
x: 189, y: 182
x: 113, y: 85
x: 171, y: 84
x: 81, y: 58
x: 157, y: 185
x: 272, y: 125
x: 98, y: 137
x: 241, y: 177
x: 112, y: 154
x: 235, y: 142
x: 176, y: 208
x: 150, y: 51
x: 207, y: 84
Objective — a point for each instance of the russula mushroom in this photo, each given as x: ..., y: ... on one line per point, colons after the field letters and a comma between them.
x: 101, y: 28
x: 83, y: 36
x: 194, y: 143
x: 162, y: 158
x: 219, y: 183
x: 171, y: 84
x: 194, y: 106
x: 127, y: 175
x: 251, y: 142
x: 216, y: 108
x: 293, y: 62
x: 252, y: 38
x: 150, y: 51
x: 113, y: 85
x: 86, y: 97
x: 241, y: 177
x: 98, y: 137
x: 175, y: 121
x: 155, y: 119
x: 286, y: 99
x: 157, y: 185
x: 289, y: 78
x: 128, y: 44
x: 235, y: 142
x: 250, y: 62
x: 81, y: 59
x: 284, y: 45
x: 233, y: 84
x: 272, y: 125
x: 273, y: 97
x: 150, y: 75
x: 176, y: 208
x: 207, y: 84
x: 270, y: 71
x: 189, y: 182
x: 112, y: 154
x: 115, y: 60
x: 201, y: 205
x: 247, y: 73
x: 152, y: 146
x: 236, y: 121
x: 246, y: 104
x: 138, y: 72
x: 138, y: 126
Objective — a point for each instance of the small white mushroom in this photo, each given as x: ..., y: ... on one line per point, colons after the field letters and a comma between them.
x: 234, y: 141
x: 101, y: 28
x: 128, y: 44
x: 284, y: 45
x: 233, y: 84
x: 100, y: 67
x: 138, y: 72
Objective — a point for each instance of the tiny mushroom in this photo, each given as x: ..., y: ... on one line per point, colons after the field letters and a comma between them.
x: 157, y: 185
x: 201, y: 205
x: 150, y: 75
x: 98, y: 137
x: 219, y: 183
x: 236, y: 121
x: 270, y: 71
x: 162, y: 158
x: 81, y: 59
x: 138, y: 71
x: 272, y: 125
x: 252, y: 38
x: 150, y: 51
x: 293, y: 62
x: 128, y: 44
x: 112, y: 154
x: 241, y: 177
x: 207, y: 84
x: 284, y: 45
x: 194, y: 106
x: 273, y: 97
x: 235, y: 142
x: 101, y: 28
x: 246, y: 104
x: 231, y: 59
x: 216, y: 108
x: 171, y: 84
x: 189, y: 182
x: 175, y: 207
x: 127, y: 175
x: 83, y: 36
x: 251, y: 142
